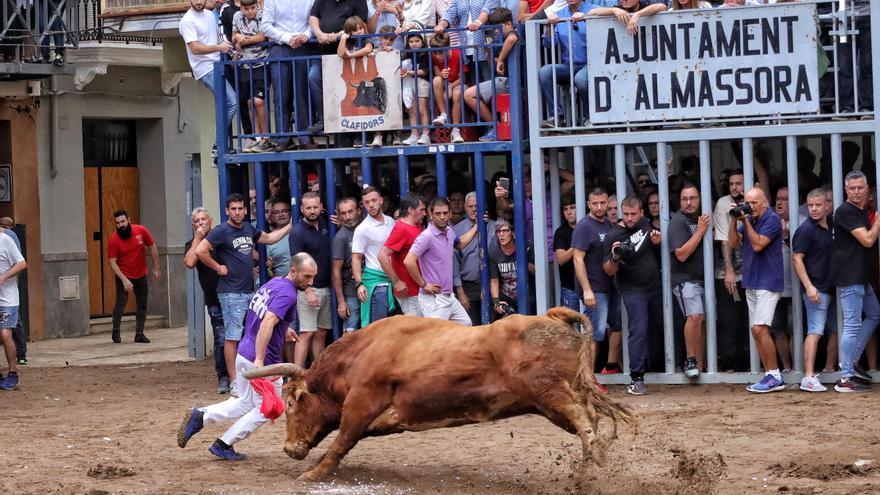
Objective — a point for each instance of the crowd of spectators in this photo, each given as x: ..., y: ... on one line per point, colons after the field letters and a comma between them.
x: 29, y: 29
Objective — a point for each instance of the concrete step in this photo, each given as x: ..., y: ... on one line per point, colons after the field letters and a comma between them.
x: 105, y: 324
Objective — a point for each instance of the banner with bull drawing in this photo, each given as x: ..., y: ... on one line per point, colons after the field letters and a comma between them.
x: 362, y: 94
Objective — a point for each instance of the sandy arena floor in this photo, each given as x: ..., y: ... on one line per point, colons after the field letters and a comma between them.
x: 111, y: 429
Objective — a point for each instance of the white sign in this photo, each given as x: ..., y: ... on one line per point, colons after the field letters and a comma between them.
x: 362, y: 94
x: 693, y: 64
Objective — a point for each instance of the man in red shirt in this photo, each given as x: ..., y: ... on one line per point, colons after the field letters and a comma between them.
x: 392, y: 254
x: 128, y: 260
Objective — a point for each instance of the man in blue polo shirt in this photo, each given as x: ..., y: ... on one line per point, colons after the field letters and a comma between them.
x: 570, y: 41
x: 761, y: 237
x: 811, y: 257
x: 310, y: 235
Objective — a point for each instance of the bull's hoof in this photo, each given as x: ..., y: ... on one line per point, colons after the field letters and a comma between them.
x: 310, y: 476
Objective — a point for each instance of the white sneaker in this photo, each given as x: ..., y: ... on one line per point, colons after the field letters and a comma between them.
x: 377, y: 141
x: 425, y: 139
x: 247, y: 145
x: 812, y: 384
x: 456, y: 136
x: 440, y: 120
x: 411, y: 140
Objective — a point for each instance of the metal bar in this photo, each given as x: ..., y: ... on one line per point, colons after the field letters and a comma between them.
x: 480, y: 176
x: 797, y: 322
x: 708, y: 260
x: 620, y: 185
x: 367, y: 171
x: 293, y: 172
x: 748, y: 159
x: 555, y: 204
x: 220, y: 136
x: 330, y: 188
x: 519, y: 196
x: 580, y: 193
x: 875, y: 64
x: 403, y: 174
x: 665, y: 261
x: 441, y: 174
x: 837, y: 192
x: 259, y: 187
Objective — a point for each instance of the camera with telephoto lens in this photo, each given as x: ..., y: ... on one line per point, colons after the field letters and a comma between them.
x: 741, y: 209
x: 625, y: 250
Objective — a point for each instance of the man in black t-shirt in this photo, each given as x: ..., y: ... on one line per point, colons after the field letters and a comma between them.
x: 326, y: 20
x: 630, y: 257
x: 686, y: 231
x: 854, y: 235
x: 564, y: 251
x: 201, y: 224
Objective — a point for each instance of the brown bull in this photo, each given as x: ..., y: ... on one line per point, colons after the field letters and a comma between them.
x: 412, y: 374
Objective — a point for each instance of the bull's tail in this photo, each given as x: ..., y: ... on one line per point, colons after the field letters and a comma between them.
x: 584, y: 383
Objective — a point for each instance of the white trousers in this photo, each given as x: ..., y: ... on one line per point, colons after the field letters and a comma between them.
x: 444, y: 307
x: 245, y: 408
x: 410, y: 306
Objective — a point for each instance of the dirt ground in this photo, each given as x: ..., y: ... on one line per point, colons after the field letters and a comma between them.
x: 111, y: 429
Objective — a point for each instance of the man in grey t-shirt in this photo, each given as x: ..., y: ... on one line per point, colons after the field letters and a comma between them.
x: 278, y: 254
x: 347, y: 302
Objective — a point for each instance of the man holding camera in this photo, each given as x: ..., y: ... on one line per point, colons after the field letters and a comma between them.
x: 762, y: 278
x: 630, y: 257
x: 686, y: 231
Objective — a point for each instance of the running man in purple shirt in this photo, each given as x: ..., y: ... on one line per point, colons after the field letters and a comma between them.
x: 267, y: 325
x: 429, y: 262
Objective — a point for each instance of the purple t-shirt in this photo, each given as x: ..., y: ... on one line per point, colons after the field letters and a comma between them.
x: 278, y: 296
x: 762, y: 270
x: 589, y: 234
x: 434, y: 249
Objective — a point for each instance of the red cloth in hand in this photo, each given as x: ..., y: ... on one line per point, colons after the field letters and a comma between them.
x: 272, y: 407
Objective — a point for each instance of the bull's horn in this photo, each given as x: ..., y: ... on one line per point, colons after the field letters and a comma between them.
x: 280, y: 369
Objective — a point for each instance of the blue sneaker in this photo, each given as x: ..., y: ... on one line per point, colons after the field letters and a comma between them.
x: 10, y: 382
x: 223, y: 451
x: 767, y: 384
x: 192, y: 424
x: 491, y: 135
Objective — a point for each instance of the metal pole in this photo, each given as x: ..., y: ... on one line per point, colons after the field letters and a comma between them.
x: 519, y: 197
x: 441, y: 175
x: 797, y: 322
x: 259, y: 183
x: 330, y: 188
x: 403, y: 174
x: 483, y: 250
x: 665, y: 261
x: 555, y: 204
x: 293, y: 172
x: 220, y: 136
x: 367, y: 171
x: 580, y: 193
x: 620, y: 186
x: 748, y: 158
x: 837, y: 192
x: 708, y: 260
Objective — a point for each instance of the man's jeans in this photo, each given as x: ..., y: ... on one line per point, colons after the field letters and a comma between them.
x: 846, y: 71
x: 291, y: 83
x: 216, y: 315
x: 234, y: 306
x: 379, y: 303
x: 141, y: 291
x: 642, y: 307
x: 231, y: 104
x: 316, y: 89
x: 353, y: 322
x: 52, y: 11
x: 563, y: 78
x: 855, y: 300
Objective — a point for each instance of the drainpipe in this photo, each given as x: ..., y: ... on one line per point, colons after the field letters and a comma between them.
x: 53, y: 122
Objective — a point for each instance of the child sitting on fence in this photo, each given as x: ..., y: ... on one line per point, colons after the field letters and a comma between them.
x: 415, y: 87
x: 447, y: 82
x: 248, y: 38
x: 357, y: 48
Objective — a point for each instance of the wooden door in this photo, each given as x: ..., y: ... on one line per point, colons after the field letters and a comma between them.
x: 107, y: 189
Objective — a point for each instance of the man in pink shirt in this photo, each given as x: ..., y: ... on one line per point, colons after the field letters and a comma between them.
x: 429, y: 263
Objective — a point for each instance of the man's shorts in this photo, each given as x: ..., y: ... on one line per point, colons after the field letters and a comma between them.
x: 8, y: 317
x: 234, y: 306
x: 311, y: 319
x: 762, y: 306
x: 690, y: 298
x: 253, y: 78
x: 821, y: 316
x: 486, y: 90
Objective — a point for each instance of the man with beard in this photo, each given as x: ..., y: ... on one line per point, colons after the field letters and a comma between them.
x: 233, y: 245
x: 198, y: 28
x: 686, y: 230
x: 269, y: 315
x: 374, y: 289
x: 392, y: 254
x: 761, y: 237
x: 278, y: 254
x: 312, y: 236
x: 429, y: 263
x: 629, y: 255
x: 733, y: 342
x: 126, y: 251
x: 594, y: 284
x: 347, y: 304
